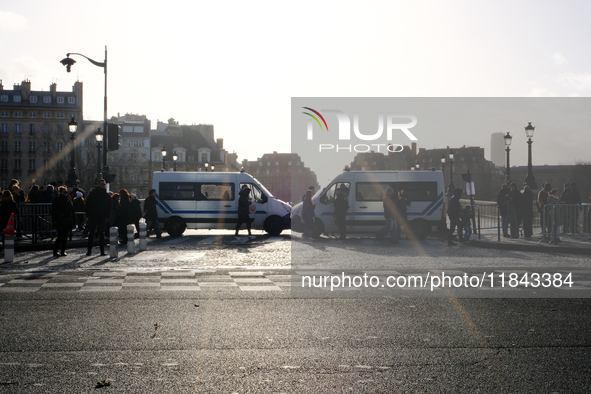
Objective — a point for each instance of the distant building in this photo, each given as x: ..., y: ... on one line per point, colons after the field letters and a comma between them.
x: 283, y: 174
x: 34, y: 135
x: 497, y: 149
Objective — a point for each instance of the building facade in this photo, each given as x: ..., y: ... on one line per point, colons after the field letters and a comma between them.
x: 34, y: 138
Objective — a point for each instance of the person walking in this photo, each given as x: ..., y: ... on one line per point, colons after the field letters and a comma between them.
x: 135, y: 213
x: 98, y: 209
x: 64, y: 219
x: 151, y: 213
x: 341, y: 206
x: 455, y: 208
x: 123, y: 217
x: 390, y: 213
x: 7, y: 208
x: 244, y: 203
x: 527, y: 211
x: 502, y: 203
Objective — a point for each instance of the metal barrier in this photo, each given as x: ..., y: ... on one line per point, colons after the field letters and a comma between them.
x: 488, y: 217
x: 33, y: 221
x: 567, y: 220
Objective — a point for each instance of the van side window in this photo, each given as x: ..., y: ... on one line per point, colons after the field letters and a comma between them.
x: 215, y: 191
x: 371, y: 191
x: 176, y: 191
x: 256, y: 194
x: 329, y: 196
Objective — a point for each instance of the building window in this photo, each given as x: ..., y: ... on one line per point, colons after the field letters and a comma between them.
x: 127, y: 129
x: 4, y: 129
x: 71, y: 100
x: 46, y: 146
x: 59, y: 115
x: 17, y: 146
x: 4, y: 146
x: 32, y: 114
x: 32, y: 165
x: 17, y: 164
x: 32, y: 99
x: 4, y: 165
x: 4, y: 114
x: 47, y: 114
x: 138, y: 129
x: 31, y: 146
x: 60, y: 146
x: 18, y: 114
x: 32, y: 129
x: 18, y: 130
x: 60, y: 100
x: 17, y: 98
x: 4, y: 98
x: 46, y: 99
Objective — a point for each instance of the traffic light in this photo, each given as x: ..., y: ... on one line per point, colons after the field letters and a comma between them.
x: 112, y: 137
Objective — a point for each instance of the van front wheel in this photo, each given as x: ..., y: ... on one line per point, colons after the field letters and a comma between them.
x: 175, y: 227
x: 273, y: 226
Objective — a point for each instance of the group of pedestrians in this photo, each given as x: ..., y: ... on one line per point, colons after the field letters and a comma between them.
x: 516, y: 207
x: 69, y: 210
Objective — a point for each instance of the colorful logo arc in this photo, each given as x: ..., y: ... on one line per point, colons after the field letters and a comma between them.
x: 315, y: 118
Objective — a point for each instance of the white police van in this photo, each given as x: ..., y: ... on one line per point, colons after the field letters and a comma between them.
x: 209, y: 200
x: 425, y: 189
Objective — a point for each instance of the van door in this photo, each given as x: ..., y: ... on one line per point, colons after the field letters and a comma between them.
x: 325, y: 207
x: 216, y: 205
x: 369, y: 205
x: 259, y: 209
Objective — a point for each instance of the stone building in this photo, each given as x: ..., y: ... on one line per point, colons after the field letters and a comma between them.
x: 283, y: 174
x: 34, y: 137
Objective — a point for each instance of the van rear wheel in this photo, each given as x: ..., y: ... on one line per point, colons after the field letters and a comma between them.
x: 175, y: 227
x: 273, y: 226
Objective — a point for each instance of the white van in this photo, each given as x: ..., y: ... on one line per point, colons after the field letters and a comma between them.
x: 425, y: 189
x: 209, y: 200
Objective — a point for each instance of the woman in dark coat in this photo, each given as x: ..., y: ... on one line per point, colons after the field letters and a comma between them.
x: 123, y: 215
x: 7, y: 207
x: 64, y: 218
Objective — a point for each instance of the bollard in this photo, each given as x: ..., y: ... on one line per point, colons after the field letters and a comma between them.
x: 113, y: 242
x: 9, y: 234
x: 143, y: 241
x: 130, y: 241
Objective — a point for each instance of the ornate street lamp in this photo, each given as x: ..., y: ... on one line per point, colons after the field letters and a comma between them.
x: 98, y: 135
x: 529, y: 179
x: 417, y: 165
x: 206, y: 166
x: 443, y: 167
x: 212, y: 168
x: 175, y: 157
x: 164, y: 158
x: 68, y: 63
x: 451, y: 187
x: 508, y: 139
x: 72, y: 126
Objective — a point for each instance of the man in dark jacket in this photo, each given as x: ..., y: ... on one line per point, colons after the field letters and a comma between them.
x: 527, y: 211
x: 454, y: 210
x: 243, y: 209
x: 98, y: 209
x: 502, y: 197
x: 151, y: 213
x: 64, y: 218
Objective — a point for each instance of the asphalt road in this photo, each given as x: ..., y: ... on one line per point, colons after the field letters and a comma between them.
x: 234, y: 326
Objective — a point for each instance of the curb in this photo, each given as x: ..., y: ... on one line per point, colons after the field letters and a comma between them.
x: 529, y: 248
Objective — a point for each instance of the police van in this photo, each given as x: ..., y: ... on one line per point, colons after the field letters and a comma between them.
x: 366, y: 189
x: 209, y: 200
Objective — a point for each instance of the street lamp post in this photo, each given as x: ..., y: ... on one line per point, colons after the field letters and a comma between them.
x: 175, y: 157
x: 98, y: 135
x: 212, y: 168
x: 443, y: 167
x: 73, y: 126
x: 451, y: 187
x: 529, y: 179
x: 69, y: 62
x: 164, y: 158
x: 206, y: 166
x: 508, y: 139
x: 417, y: 165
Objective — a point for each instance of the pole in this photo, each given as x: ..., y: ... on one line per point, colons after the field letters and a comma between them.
x: 508, y: 174
x: 106, y: 168
x: 529, y: 179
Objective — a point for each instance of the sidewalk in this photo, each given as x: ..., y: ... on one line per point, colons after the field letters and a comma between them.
x: 580, y: 244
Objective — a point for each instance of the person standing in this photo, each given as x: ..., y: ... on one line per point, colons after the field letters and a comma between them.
x: 555, y: 216
x: 123, y: 216
x: 243, y: 209
x: 64, y: 218
x: 7, y: 208
x: 542, y: 201
x: 527, y: 211
x: 98, y: 209
x: 135, y: 213
x: 390, y: 216
x: 402, y: 202
x: 341, y: 206
x: 151, y: 213
x: 514, y: 201
x: 455, y: 208
x: 502, y: 203
x: 80, y: 209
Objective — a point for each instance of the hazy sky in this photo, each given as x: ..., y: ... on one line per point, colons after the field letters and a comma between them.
x: 237, y: 64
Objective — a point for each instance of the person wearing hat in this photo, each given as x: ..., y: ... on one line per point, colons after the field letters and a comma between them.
x: 243, y: 209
